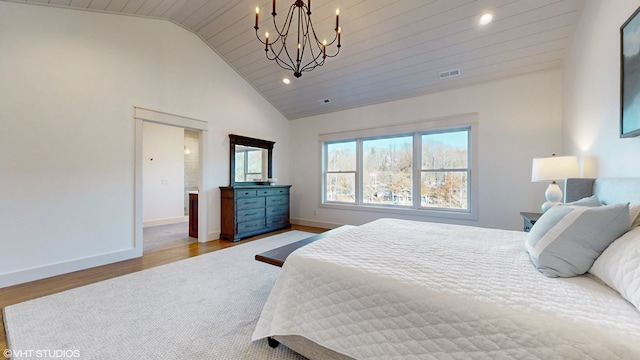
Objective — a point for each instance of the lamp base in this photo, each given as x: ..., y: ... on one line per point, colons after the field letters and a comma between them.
x: 553, y: 196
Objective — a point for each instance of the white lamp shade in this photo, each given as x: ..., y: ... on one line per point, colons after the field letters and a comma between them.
x: 554, y: 168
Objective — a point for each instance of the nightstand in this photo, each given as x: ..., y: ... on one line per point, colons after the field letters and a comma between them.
x: 529, y: 219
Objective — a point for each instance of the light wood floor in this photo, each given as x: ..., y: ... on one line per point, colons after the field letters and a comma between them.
x: 23, y: 292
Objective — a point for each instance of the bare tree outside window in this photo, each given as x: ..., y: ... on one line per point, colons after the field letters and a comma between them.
x: 445, y: 170
x: 387, y: 171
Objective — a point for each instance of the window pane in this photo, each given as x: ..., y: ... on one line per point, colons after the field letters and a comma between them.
x: 387, y: 170
x: 445, y: 150
x: 341, y: 156
x: 240, y: 167
x: 341, y: 187
x: 444, y: 189
x: 254, y: 162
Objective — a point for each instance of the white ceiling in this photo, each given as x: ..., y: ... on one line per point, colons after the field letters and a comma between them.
x: 390, y: 49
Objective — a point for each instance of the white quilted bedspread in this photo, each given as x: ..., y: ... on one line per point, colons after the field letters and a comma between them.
x: 397, y: 289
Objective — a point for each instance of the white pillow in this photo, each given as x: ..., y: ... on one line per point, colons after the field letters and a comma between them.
x: 590, y: 201
x: 619, y: 266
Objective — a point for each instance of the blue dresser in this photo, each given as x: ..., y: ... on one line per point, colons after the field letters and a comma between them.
x: 252, y: 210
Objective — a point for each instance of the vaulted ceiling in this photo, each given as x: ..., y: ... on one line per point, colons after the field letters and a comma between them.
x: 390, y: 49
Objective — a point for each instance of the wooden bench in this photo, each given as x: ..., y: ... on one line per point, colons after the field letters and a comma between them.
x: 278, y: 256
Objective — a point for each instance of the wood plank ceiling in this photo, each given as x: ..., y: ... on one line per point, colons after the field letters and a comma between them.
x: 391, y: 49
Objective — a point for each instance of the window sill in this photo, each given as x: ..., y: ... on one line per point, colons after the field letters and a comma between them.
x: 442, y: 214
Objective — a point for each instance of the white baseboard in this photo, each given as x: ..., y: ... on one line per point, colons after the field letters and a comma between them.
x: 167, y: 221
x: 213, y: 236
x: 42, y: 272
x: 314, y: 223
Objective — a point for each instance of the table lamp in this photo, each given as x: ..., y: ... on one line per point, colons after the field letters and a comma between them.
x: 551, y: 169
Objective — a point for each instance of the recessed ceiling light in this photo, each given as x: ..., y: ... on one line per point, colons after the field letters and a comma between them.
x: 286, y: 81
x: 485, y: 18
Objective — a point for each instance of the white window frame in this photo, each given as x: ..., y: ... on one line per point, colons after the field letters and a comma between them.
x: 325, y: 174
x: 453, y: 123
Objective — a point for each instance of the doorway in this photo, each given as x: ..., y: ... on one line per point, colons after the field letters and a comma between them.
x: 170, y: 181
x: 142, y: 116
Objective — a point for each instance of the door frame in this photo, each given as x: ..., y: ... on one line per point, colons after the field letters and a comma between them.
x: 142, y: 115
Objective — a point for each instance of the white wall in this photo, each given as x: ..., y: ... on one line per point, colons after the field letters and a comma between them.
x: 592, y: 92
x: 519, y: 119
x: 69, y: 81
x: 162, y: 174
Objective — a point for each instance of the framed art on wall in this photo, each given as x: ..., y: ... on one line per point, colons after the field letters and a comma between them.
x: 630, y: 76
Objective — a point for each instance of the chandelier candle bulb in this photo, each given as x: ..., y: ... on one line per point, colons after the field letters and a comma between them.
x: 337, y: 19
x: 274, y: 8
x: 257, y: 12
x: 266, y: 41
x: 309, y: 7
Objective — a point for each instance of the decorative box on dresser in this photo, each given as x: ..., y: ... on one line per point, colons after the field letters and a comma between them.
x: 252, y: 210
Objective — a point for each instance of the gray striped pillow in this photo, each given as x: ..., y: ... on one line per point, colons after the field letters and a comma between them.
x: 566, y: 240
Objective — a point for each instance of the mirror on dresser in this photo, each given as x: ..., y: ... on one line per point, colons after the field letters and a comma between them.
x: 250, y: 160
x: 251, y: 205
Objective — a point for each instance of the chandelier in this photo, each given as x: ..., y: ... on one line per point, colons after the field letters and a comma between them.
x: 309, y: 51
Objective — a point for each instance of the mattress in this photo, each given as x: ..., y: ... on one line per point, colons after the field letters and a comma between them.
x: 398, y: 289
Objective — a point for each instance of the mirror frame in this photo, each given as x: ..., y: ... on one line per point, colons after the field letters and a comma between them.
x: 247, y: 141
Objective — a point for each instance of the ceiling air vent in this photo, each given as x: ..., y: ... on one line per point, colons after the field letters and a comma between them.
x: 450, y: 73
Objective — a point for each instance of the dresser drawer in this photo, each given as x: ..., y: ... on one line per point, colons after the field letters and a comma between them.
x: 250, y: 202
x: 250, y: 214
x: 277, y: 200
x: 245, y: 193
x: 277, y: 211
x: 279, y: 191
x: 281, y: 220
x: 247, y: 226
x: 262, y: 192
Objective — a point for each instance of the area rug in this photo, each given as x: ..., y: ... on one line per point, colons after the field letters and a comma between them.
x: 204, y: 307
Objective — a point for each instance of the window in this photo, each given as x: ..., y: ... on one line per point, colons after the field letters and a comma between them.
x: 340, y: 179
x: 445, y: 170
x: 425, y: 170
x: 387, y: 170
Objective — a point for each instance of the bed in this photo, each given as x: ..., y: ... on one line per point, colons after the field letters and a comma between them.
x: 445, y: 291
